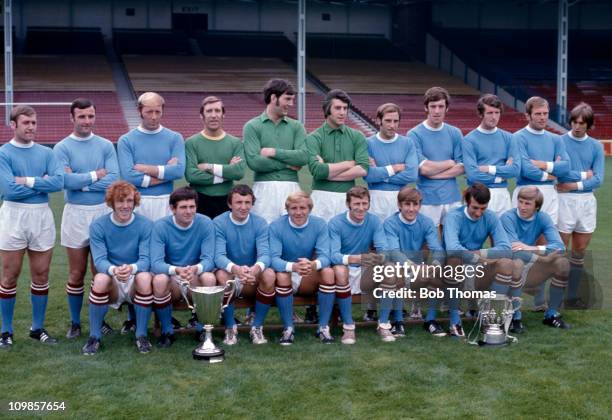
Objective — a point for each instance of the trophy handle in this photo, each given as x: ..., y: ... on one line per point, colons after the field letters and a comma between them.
x: 232, y: 285
x: 184, y: 286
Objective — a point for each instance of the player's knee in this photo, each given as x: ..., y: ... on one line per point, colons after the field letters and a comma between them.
x: 505, y: 267
x: 208, y: 279
x: 341, y: 274
x: 561, y: 266
x: 268, y: 278
x: 76, y: 276
x: 101, y: 283
x: 143, y: 283
x: 40, y: 274
x: 283, y: 279
x: 327, y: 276
x: 222, y: 276
x: 160, y: 284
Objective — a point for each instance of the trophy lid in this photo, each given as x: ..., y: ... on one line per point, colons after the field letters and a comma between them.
x: 207, y: 290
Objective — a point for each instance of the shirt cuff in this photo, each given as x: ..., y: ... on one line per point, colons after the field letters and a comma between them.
x: 345, y: 259
x: 229, y: 266
x: 422, y: 162
x: 161, y: 171
x: 580, y: 186
x: 134, y: 268
x: 583, y: 176
x: 146, y: 181
x: 218, y: 180
x: 498, y: 180
x: 261, y: 265
x: 541, y: 247
x: 172, y: 270
x: 484, y: 253
x: 200, y: 269
x: 390, y: 170
x: 218, y: 170
x: 111, y: 270
x: 289, y: 267
x: 492, y: 169
x: 94, y: 176
x: 85, y: 188
x: 30, y: 181
x: 318, y: 264
x: 544, y: 176
x: 550, y: 166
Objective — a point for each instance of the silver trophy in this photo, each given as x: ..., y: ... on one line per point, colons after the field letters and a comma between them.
x: 208, y: 303
x: 495, y: 315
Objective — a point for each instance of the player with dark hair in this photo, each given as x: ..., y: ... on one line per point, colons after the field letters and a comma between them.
x: 120, y: 249
x: 577, y: 203
x: 90, y: 167
x: 182, y: 253
x: 440, y: 157
x: 214, y: 159
x: 490, y: 154
x: 28, y: 173
x: 273, y: 149
x: 242, y: 252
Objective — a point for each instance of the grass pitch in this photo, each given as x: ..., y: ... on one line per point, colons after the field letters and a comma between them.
x: 548, y: 374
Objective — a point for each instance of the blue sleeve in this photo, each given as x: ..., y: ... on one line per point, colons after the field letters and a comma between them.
x: 410, y: 174
x: 173, y: 172
x: 508, y: 225
x: 598, y: 169
x: 99, y: 251
x: 380, y: 240
x: 528, y: 170
x: 562, y: 167
x: 158, y: 250
x: 393, y: 242
x: 572, y: 176
x: 433, y: 242
x: 322, y: 246
x: 207, y: 248
x: 72, y: 181
x: 451, y: 233
x: 501, y: 246
x: 144, y: 259
x: 513, y: 170
x: 335, y: 242
x: 470, y: 164
x: 54, y: 181
x: 221, y: 260
x: 262, y: 243
x: 457, y: 148
x: 8, y: 188
x: 551, y: 234
x: 125, y: 155
x: 417, y: 145
x: 377, y: 174
x: 276, y: 250
x: 112, y: 170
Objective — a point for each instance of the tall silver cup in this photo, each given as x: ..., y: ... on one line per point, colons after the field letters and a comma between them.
x: 208, y: 303
x: 496, y: 316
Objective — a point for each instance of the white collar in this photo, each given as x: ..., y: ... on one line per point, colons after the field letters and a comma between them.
x: 116, y: 223
x: 537, y: 132
x: 571, y: 136
x: 352, y: 222
x: 293, y: 225
x: 181, y: 227
x: 430, y: 128
x: 482, y: 130
x: 77, y: 138
x: 406, y: 221
x: 21, y: 145
x: 385, y: 140
x: 531, y: 219
x: 237, y: 223
x: 465, y: 211
x: 145, y: 131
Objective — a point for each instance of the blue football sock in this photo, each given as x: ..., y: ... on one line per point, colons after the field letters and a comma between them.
x: 398, y: 310
x: 516, y: 292
x: 39, y: 308
x: 285, y: 308
x: 386, y: 304
x: 453, y: 310
x: 7, y: 307
x: 228, y: 316
x: 165, y: 318
x: 345, y: 306
x: 131, y: 315
x: 432, y: 309
x: 575, y: 276
x: 75, y: 304
x: 143, y: 314
x: 500, y: 288
x: 325, y: 301
x: 556, y: 296
x: 539, y: 298
x: 96, y: 318
x: 261, y: 311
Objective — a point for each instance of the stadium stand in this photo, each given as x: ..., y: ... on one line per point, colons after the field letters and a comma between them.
x: 352, y: 46
x: 137, y: 41
x: 246, y: 44
x: 45, y: 40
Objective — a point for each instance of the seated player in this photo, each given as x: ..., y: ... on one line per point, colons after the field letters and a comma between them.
x: 465, y: 232
x: 182, y: 253
x: 524, y: 225
x: 119, y: 244
x: 242, y: 252
x: 408, y: 231
x: 299, y: 252
x: 352, y: 234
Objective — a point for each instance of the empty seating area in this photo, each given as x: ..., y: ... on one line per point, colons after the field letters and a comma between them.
x: 43, y: 40
x: 352, y: 46
x: 151, y: 42
x: 246, y: 44
x: 54, y: 120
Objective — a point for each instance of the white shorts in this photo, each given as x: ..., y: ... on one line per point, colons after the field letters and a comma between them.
x: 75, y: 223
x: 328, y: 204
x: 355, y: 280
x: 577, y: 212
x: 500, y: 201
x: 154, y: 207
x: 551, y: 200
x: 438, y: 212
x: 124, y: 291
x: 383, y: 203
x: 296, y: 280
x: 28, y: 226
x: 270, y: 198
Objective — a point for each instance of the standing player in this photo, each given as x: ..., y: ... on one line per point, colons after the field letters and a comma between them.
x: 242, y: 252
x: 28, y: 173
x: 543, y: 156
x: 214, y: 159
x: 299, y: 252
x: 90, y: 166
x: 337, y: 156
x: 466, y: 230
x: 409, y: 231
x: 393, y: 162
x: 273, y: 149
x: 438, y: 146
x: 577, y: 204
x: 524, y: 225
x: 120, y: 249
x: 351, y: 235
x: 182, y: 251
x: 490, y: 154
x: 152, y: 157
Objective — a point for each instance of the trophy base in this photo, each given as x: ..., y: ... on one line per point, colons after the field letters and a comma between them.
x: 485, y: 344
x: 216, y: 357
